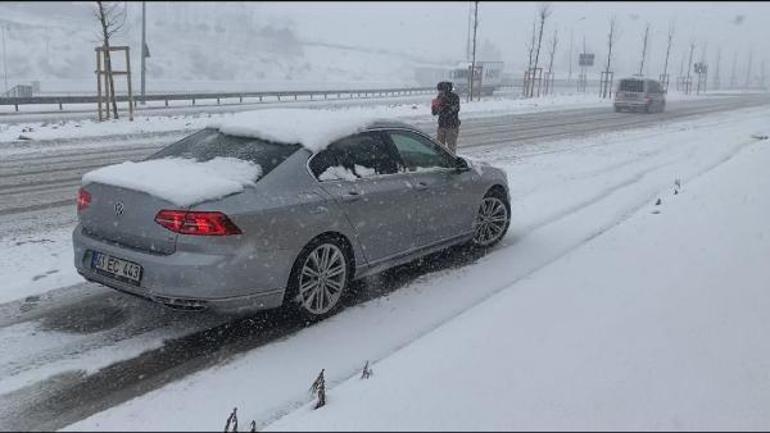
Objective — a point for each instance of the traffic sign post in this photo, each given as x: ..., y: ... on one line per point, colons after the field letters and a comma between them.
x: 702, y: 70
x: 585, y: 60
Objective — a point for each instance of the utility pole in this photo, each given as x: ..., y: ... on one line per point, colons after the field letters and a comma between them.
x: 748, y: 69
x: 5, y: 62
x: 717, y: 83
x: 571, y: 39
x: 473, y: 61
x: 569, y: 77
x: 644, y: 49
x: 665, y: 77
x: 468, y: 34
x: 703, y: 75
x: 733, y: 78
x: 144, y: 48
x: 689, y: 68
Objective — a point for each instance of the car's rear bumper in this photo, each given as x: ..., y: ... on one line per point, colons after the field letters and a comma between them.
x: 631, y: 104
x: 185, y: 281
x: 233, y: 305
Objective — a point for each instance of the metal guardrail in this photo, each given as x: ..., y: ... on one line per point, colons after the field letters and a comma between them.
x: 295, y: 94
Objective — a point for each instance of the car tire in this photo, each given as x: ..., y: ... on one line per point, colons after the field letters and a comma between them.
x: 319, y: 279
x: 492, y: 219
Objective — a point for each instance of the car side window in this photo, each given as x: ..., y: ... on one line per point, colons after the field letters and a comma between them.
x: 355, y: 157
x: 419, y: 153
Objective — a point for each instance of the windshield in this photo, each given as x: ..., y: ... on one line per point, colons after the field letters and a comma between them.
x: 210, y: 143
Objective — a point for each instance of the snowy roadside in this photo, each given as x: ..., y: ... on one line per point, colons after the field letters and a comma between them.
x: 31, y: 265
x: 561, y: 200
x: 59, y: 132
x: 661, y: 322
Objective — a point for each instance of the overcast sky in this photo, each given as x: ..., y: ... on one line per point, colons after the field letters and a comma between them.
x: 438, y: 30
x: 441, y: 27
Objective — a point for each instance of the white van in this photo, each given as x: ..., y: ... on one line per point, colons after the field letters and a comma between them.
x: 640, y: 94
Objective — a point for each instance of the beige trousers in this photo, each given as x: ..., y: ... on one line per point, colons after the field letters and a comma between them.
x: 448, y: 137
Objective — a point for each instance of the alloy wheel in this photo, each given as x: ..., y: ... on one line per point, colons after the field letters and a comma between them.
x: 322, y: 279
x: 491, y: 221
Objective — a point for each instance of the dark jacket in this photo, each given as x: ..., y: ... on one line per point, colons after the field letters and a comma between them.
x: 447, y: 109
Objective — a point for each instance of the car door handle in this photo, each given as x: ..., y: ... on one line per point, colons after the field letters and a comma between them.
x: 421, y: 186
x: 351, y: 196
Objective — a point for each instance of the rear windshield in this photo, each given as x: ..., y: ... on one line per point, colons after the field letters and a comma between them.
x: 632, y: 86
x: 210, y: 143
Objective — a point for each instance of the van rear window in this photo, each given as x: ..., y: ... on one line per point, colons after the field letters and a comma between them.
x: 632, y: 86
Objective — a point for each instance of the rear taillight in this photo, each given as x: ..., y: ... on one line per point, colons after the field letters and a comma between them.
x: 84, y: 199
x: 197, y: 223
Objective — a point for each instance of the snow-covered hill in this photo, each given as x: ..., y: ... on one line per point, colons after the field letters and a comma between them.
x: 195, y: 47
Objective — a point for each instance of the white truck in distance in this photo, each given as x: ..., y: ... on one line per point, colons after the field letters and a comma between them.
x: 492, y: 72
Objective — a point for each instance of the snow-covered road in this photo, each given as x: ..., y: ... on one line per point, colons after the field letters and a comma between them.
x: 78, y: 350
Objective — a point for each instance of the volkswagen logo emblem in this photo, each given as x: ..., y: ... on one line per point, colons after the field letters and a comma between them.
x: 119, y: 208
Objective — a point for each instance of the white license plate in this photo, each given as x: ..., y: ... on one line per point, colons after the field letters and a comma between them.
x: 118, y: 268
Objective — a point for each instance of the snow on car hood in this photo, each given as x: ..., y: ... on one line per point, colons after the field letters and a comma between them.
x: 183, y: 182
x: 313, y: 129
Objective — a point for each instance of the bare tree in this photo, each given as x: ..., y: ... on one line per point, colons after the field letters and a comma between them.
x: 669, y: 40
x: 689, y: 62
x: 530, y: 44
x: 544, y: 11
x: 112, y: 18
x: 552, y: 51
x: 552, y: 54
x: 644, y: 47
x: 611, y: 39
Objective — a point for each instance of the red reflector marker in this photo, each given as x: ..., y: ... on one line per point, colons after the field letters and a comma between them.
x: 84, y: 199
x: 197, y: 223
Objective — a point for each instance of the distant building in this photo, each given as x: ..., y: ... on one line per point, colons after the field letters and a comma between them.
x: 20, y: 91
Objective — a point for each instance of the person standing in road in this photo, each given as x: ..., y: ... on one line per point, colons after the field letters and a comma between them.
x: 447, y: 107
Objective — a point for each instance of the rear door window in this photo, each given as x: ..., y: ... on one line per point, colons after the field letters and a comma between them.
x: 355, y: 157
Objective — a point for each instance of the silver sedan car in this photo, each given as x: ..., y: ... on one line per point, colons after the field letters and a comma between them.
x: 314, y: 221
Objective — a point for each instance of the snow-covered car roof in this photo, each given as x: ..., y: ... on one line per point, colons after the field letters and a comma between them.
x: 312, y: 128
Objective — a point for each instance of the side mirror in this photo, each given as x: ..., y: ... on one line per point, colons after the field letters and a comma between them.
x: 461, y: 165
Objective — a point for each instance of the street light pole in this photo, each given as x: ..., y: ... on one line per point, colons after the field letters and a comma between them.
x: 473, y: 61
x: 144, y: 45
x: 468, y: 35
x: 5, y: 62
x: 569, y: 77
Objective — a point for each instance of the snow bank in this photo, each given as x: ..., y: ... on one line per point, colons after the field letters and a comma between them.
x: 314, y: 129
x: 661, y: 322
x: 181, y: 181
